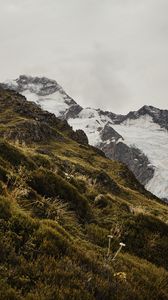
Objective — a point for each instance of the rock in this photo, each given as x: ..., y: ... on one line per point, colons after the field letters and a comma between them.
x: 79, y: 136
x: 39, y: 85
x: 31, y: 131
x: 108, y: 132
x: 98, y: 151
x: 98, y: 124
x: 159, y: 116
x: 137, y: 162
x: 104, y: 180
x: 73, y: 111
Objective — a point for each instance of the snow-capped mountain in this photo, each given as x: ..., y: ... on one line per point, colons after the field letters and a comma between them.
x: 139, y: 139
x: 46, y: 92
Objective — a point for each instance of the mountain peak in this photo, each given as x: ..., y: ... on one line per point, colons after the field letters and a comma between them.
x: 149, y: 109
x: 158, y: 116
x: 45, y: 92
x: 119, y: 136
x: 41, y: 86
x: 60, y: 201
x: 144, y: 110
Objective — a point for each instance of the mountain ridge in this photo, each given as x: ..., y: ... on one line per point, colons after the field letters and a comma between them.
x: 111, y: 132
x: 43, y: 86
x: 60, y: 200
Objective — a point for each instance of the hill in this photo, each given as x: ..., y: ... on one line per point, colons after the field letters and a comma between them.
x: 138, y: 139
x: 60, y: 200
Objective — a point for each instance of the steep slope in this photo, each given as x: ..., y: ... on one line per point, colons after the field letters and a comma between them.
x: 45, y: 92
x: 148, y: 136
x: 138, y: 139
x: 59, y: 201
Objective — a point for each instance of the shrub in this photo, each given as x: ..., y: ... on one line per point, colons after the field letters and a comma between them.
x: 49, y: 184
x: 49, y: 241
x: 5, y: 208
x: 23, y: 226
x: 101, y: 201
x: 8, y: 293
x: 3, y: 174
x: 79, y: 184
x: 2, y: 189
x: 14, y: 156
x: 97, y: 235
x: 146, y: 237
x: 42, y: 160
x: 105, y: 182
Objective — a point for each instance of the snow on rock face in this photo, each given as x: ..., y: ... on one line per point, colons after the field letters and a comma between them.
x: 138, y: 133
x: 100, y: 129
x: 138, y: 139
x: 38, y: 85
x: 45, y: 92
x: 157, y: 115
x: 54, y: 103
x: 92, y: 123
x: 153, y: 142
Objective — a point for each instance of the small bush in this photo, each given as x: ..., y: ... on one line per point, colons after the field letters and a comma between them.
x: 23, y: 226
x: 49, y: 184
x: 12, y: 155
x: 2, y: 189
x: 3, y: 174
x: 79, y: 184
x: 105, y: 182
x: 50, y: 242
x: 101, y: 201
x: 8, y: 293
x: 146, y: 237
x: 5, y: 208
x: 42, y: 161
x: 97, y: 235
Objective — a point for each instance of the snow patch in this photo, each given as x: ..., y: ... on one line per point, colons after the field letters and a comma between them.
x: 146, y: 135
x: 89, y: 120
x: 54, y: 103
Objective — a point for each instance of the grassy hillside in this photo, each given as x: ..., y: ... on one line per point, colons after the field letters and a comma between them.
x: 59, y: 200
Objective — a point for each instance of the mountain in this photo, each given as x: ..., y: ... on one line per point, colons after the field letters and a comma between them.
x: 61, y: 202
x: 138, y: 139
x: 47, y: 93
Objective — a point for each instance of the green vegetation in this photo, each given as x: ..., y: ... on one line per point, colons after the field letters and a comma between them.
x: 59, y: 201
x: 48, y: 184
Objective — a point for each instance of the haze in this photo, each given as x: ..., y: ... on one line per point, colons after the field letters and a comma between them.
x: 110, y: 54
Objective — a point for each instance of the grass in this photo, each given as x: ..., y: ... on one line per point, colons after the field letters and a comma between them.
x: 59, y: 202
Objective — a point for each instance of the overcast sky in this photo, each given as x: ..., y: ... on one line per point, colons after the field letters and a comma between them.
x: 111, y: 54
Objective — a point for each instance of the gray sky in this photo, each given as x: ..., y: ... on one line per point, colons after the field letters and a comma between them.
x: 111, y: 54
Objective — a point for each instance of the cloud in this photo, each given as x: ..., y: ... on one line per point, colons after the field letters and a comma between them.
x: 110, y: 54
